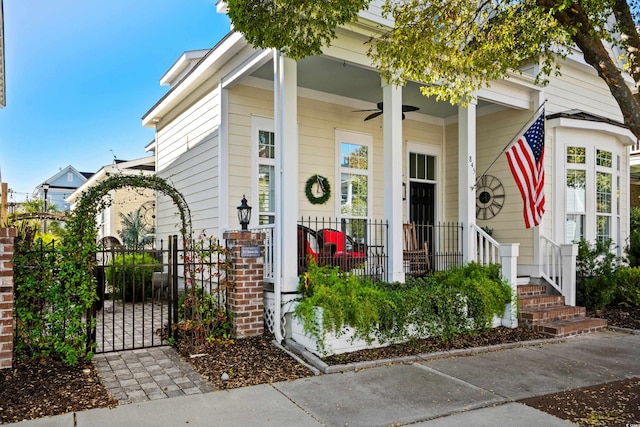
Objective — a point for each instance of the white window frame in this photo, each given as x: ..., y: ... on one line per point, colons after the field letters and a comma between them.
x: 591, y: 169
x: 356, y: 138
x: 258, y: 124
x: 428, y: 150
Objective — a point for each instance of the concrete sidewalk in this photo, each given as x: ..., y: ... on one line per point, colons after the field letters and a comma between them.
x: 477, y: 390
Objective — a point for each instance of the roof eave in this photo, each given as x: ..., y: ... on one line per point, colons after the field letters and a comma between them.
x: 229, y: 46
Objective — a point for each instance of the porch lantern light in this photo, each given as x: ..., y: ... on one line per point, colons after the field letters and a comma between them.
x: 244, y: 213
x: 45, y: 189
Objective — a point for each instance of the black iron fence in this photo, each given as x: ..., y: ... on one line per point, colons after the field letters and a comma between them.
x: 444, y: 244
x: 143, y: 293
x: 358, y: 246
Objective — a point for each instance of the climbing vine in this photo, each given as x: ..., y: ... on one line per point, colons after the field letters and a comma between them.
x: 72, y: 289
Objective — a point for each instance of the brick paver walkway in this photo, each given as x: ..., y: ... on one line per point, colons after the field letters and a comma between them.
x: 135, y: 374
x: 148, y: 374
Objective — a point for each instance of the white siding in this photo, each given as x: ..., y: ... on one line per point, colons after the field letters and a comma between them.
x: 494, y: 132
x: 317, y: 122
x: 187, y: 157
x: 580, y: 89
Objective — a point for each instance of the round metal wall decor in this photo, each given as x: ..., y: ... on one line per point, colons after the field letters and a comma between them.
x: 489, y: 197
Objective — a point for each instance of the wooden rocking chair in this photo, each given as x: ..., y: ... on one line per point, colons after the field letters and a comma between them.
x: 414, y: 257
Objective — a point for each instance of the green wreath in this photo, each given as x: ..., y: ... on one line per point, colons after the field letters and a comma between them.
x: 323, y: 183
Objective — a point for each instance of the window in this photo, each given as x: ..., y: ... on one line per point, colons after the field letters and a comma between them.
x: 603, y: 158
x: 266, y: 177
x: 263, y: 156
x: 69, y: 177
x: 591, y: 185
x: 603, y: 205
x: 355, y: 178
x: 576, y: 204
x: 422, y: 167
x: 576, y: 155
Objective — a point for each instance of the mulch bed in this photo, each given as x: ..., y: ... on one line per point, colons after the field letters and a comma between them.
x: 248, y: 361
x: 42, y: 388
x: 612, y: 404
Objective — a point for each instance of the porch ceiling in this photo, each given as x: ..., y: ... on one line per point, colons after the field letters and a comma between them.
x: 348, y: 80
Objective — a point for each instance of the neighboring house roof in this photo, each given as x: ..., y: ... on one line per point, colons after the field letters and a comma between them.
x: 82, y: 176
x: 634, y: 162
x: 144, y: 165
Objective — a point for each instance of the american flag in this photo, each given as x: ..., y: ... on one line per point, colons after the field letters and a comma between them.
x: 526, y: 158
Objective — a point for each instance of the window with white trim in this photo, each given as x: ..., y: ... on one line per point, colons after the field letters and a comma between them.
x: 592, y: 182
x: 355, y: 153
x: 576, y: 192
x: 266, y: 177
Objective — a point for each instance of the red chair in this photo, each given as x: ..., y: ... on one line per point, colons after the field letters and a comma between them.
x: 344, y: 252
x: 306, y: 251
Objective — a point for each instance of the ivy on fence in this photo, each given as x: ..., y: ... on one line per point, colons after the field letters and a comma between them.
x: 55, y: 286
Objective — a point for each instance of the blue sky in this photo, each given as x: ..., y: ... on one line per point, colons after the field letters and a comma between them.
x: 80, y: 74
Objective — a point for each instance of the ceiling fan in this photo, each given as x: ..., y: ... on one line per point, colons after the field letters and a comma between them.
x: 379, y: 110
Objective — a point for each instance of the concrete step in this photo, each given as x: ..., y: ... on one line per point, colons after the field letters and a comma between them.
x: 535, y: 315
x: 541, y: 301
x: 569, y: 327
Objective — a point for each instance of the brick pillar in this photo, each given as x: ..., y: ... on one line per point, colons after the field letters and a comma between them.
x: 7, y: 238
x: 246, y: 254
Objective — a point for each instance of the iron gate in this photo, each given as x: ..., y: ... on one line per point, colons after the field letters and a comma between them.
x: 137, y: 297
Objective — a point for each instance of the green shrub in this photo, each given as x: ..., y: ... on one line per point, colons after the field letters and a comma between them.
x: 346, y: 300
x: 595, y: 275
x: 442, y: 305
x: 632, y: 251
x: 628, y: 287
x: 129, y: 276
x: 50, y: 311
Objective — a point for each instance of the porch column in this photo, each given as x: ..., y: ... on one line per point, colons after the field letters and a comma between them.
x: 467, y: 176
x: 286, y: 134
x: 392, y: 148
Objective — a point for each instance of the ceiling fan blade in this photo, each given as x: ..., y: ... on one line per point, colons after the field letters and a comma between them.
x: 403, y: 116
x: 360, y: 111
x: 373, y: 116
x: 379, y: 105
x: 407, y: 108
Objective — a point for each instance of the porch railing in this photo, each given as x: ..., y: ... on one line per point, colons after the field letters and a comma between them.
x: 558, y: 267
x: 487, y: 249
x: 444, y: 244
x: 269, y: 251
x: 358, y: 246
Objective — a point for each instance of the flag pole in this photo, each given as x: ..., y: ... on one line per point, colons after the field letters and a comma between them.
x: 527, y: 124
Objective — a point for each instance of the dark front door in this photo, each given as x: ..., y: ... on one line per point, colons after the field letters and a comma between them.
x: 422, y: 203
x: 422, y: 212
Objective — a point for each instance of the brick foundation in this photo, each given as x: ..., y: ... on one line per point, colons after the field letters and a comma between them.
x: 7, y: 238
x: 245, y: 297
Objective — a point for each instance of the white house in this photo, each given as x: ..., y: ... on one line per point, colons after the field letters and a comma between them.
x: 242, y: 121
